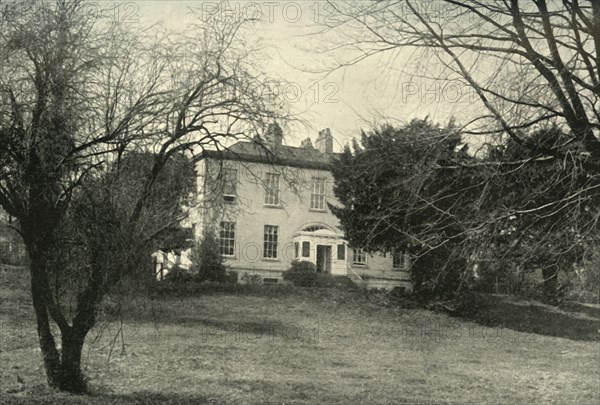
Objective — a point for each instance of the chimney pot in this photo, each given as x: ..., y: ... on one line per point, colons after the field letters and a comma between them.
x: 307, y: 143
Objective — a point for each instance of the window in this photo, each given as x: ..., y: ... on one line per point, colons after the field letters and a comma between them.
x: 306, y: 249
x: 359, y: 256
x: 341, y: 252
x: 317, y: 197
x: 229, y: 185
x: 227, y: 238
x: 313, y: 228
x: 399, y: 261
x: 270, y: 241
x: 272, y: 189
x: 296, y: 249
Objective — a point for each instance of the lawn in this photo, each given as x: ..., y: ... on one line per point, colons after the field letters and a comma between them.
x: 286, y: 345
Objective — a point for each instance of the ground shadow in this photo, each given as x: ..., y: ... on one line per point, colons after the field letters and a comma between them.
x: 576, y: 322
x: 592, y: 310
x: 141, y: 398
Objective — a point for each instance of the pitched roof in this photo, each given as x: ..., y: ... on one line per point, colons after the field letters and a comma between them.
x: 280, y: 155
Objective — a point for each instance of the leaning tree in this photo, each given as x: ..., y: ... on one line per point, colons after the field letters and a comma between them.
x: 79, y: 94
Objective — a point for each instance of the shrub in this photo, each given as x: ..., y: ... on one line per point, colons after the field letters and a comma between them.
x: 302, y: 274
x: 438, y: 276
x: 251, y: 279
x: 207, y: 262
x: 231, y: 277
x: 178, y: 275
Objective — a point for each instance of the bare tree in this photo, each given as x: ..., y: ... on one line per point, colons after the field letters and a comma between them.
x: 534, y: 67
x: 530, y: 63
x: 78, y: 94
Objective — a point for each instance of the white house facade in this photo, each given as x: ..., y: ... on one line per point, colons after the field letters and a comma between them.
x: 268, y: 205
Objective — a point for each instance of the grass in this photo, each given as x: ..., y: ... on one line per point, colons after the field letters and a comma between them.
x: 271, y: 344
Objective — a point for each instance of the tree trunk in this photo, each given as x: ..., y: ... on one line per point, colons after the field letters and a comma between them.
x: 550, y: 275
x: 63, y: 371
x: 71, y: 378
x: 46, y: 339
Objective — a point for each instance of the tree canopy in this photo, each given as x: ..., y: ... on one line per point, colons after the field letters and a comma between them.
x: 417, y: 189
x: 91, y: 114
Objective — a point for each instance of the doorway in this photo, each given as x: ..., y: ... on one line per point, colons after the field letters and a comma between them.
x: 323, y: 259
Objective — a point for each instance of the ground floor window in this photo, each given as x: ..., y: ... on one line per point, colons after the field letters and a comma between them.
x: 305, y: 249
x: 400, y: 261
x: 341, y: 252
x: 227, y: 238
x: 270, y: 241
x: 359, y: 256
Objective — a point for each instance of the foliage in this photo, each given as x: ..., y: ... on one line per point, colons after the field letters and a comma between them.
x: 251, y: 279
x: 410, y: 203
x: 530, y: 68
x: 91, y: 114
x: 543, y: 216
x: 168, y: 196
x: 508, y: 217
x: 231, y: 277
x: 585, y: 279
x: 94, y: 221
x: 178, y: 274
x: 207, y: 261
x: 301, y: 273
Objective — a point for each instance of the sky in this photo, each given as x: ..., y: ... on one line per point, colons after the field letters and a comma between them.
x: 379, y: 89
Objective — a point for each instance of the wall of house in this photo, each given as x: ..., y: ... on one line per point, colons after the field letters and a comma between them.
x: 251, y: 214
x: 378, y: 272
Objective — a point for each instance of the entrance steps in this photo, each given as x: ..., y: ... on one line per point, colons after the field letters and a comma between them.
x: 343, y: 282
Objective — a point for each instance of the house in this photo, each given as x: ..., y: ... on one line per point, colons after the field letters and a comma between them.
x: 12, y: 249
x: 268, y: 205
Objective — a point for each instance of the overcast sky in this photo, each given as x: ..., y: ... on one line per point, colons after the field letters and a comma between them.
x: 344, y: 100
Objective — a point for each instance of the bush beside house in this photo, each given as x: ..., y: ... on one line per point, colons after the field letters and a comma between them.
x: 302, y: 274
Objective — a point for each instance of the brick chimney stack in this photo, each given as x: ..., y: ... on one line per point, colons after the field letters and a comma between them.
x: 274, y: 135
x: 324, y: 143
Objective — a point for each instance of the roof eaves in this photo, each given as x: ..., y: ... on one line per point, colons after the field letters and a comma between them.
x: 271, y: 159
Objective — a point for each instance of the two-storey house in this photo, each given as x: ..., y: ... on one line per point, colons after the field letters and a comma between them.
x: 268, y: 205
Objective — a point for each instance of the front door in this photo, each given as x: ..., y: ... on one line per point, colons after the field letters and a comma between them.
x: 323, y: 259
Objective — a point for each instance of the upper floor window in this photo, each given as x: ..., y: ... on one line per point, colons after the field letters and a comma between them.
x: 359, y: 256
x: 229, y: 185
x: 227, y: 238
x: 317, y: 196
x: 272, y: 189
x: 270, y: 241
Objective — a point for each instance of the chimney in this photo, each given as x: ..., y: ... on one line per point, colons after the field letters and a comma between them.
x: 324, y: 143
x: 274, y: 135
x: 307, y: 143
